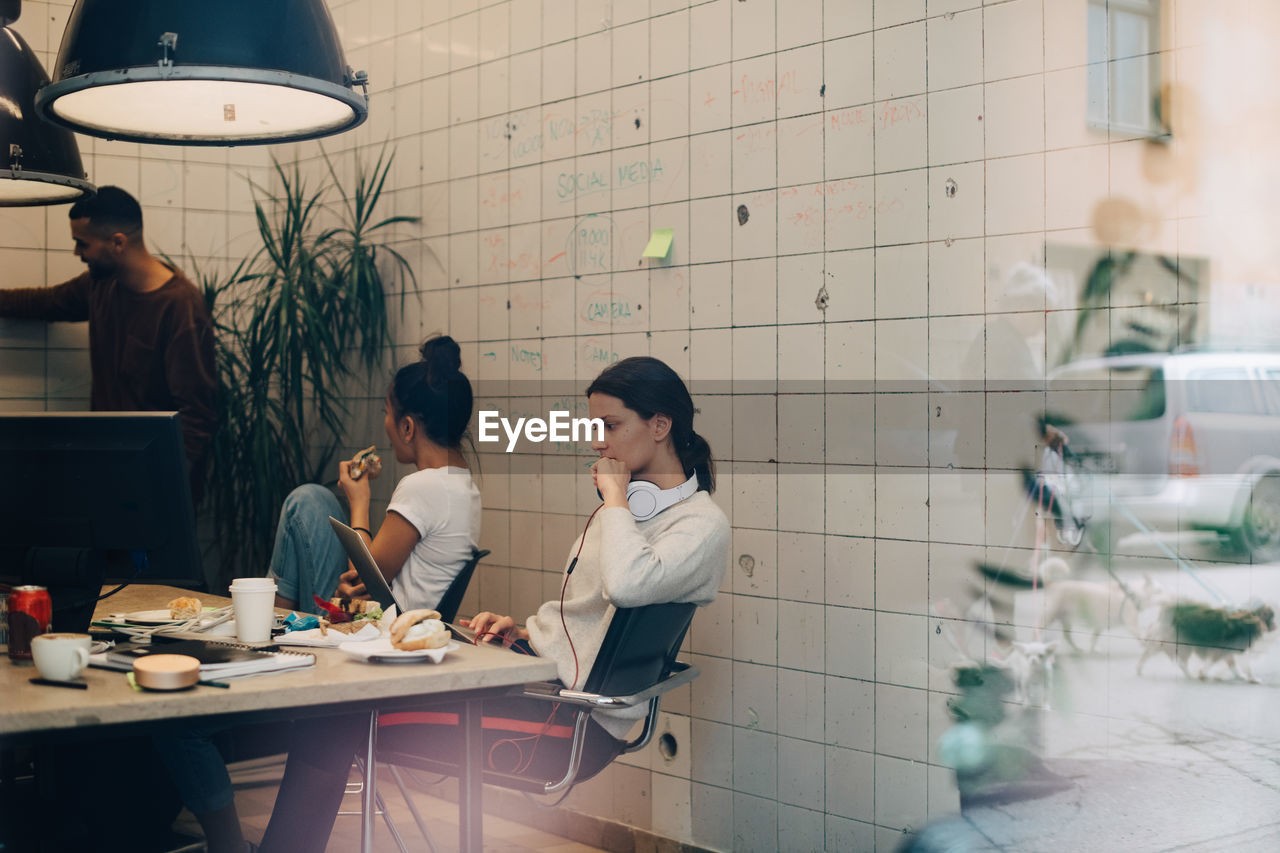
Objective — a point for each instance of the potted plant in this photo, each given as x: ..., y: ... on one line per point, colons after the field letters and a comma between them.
x: 293, y: 323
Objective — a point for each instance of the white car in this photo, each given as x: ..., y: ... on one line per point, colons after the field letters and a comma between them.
x: 1175, y: 441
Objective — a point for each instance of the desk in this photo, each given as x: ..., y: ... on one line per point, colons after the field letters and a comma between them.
x: 336, y: 684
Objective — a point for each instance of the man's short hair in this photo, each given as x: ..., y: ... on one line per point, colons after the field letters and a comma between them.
x: 111, y: 210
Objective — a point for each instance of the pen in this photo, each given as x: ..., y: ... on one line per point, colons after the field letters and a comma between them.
x: 214, y: 683
x: 76, y: 685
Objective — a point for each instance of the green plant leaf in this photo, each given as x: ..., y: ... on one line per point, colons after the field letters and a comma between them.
x: 293, y: 322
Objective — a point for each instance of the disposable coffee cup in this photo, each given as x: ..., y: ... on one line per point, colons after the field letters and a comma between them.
x: 254, y: 602
x: 61, y: 657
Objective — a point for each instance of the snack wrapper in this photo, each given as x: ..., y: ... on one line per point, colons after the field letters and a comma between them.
x: 300, y: 622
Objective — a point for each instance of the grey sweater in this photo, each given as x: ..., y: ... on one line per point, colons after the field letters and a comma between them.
x: 680, y: 555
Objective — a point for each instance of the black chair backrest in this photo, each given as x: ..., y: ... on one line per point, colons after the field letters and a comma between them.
x: 639, y: 648
x: 452, y: 600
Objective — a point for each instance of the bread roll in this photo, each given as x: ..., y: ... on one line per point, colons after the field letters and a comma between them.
x: 419, y: 629
x: 185, y: 607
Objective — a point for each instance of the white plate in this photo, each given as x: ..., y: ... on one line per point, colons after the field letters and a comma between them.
x: 381, y: 651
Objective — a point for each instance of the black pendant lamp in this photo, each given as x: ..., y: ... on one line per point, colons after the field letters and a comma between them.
x: 203, y: 72
x: 39, y: 163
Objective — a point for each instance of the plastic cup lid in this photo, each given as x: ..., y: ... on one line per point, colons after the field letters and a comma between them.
x: 253, y: 584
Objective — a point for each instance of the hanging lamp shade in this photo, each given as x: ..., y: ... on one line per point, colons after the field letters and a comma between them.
x: 39, y: 163
x: 200, y: 72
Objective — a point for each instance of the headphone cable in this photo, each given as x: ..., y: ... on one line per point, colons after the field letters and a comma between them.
x: 565, y: 586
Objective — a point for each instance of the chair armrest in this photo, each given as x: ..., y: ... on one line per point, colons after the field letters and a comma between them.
x: 681, y: 674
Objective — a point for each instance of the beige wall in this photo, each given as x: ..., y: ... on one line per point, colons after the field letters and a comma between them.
x: 517, y: 124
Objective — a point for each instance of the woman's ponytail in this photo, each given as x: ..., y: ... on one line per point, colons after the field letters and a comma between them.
x: 696, y: 456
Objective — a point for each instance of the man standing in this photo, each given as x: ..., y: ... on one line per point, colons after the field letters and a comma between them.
x: 151, y: 340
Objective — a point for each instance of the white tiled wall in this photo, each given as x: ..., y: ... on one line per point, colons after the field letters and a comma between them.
x: 912, y: 159
x: 906, y: 160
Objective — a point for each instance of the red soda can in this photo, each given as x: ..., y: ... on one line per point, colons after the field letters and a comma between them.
x: 30, y: 610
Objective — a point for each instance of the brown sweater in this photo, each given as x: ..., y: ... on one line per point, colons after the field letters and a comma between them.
x: 148, y: 352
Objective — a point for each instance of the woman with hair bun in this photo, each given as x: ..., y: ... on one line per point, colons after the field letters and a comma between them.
x: 432, y: 524
x: 657, y: 537
x: 429, y: 533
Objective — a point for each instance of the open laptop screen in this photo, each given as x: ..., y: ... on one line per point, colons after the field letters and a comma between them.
x: 370, y: 575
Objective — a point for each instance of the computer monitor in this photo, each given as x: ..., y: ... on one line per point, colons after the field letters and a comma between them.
x: 95, y: 497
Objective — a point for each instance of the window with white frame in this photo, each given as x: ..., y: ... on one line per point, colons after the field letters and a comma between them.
x: 1124, y: 78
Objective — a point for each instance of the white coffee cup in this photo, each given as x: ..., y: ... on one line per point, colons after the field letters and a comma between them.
x: 61, y: 657
x: 254, y: 601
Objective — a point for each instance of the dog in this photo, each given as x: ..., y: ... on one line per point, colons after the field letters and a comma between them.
x: 1052, y: 570
x: 997, y: 586
x: 1089, y: 604
x: 1027, y: 665
x: 1185, y: 629
x: 1031, y: 665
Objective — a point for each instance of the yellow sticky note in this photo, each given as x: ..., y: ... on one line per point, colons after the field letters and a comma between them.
x: 659, y: 243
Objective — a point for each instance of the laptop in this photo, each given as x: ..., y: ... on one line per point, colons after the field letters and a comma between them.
x: 371, y: 576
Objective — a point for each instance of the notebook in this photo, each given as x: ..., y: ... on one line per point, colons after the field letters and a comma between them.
x: 217, y: 660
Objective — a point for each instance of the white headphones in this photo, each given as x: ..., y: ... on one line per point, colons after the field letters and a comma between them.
x: 647, y: 500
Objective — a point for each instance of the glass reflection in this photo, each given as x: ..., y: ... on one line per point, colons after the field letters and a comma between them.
x: 1103, y: 643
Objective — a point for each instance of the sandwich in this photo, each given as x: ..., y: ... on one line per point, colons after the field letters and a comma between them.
x: 341, y: 627
x: 356, y: 608
x: 419, y: 629
x: 367, y: 461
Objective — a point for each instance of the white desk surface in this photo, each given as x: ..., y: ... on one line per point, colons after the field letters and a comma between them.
x: 29, y: 708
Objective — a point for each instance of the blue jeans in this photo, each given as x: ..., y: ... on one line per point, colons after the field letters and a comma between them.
x: 195, y: 764
x: 308, y: 558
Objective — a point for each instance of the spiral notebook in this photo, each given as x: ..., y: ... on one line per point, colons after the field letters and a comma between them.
x: 217, y: 660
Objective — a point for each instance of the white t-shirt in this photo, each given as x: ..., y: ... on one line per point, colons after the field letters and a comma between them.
x: 443, y: 504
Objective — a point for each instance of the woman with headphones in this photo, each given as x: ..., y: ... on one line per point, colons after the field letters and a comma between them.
x: 656, y: 538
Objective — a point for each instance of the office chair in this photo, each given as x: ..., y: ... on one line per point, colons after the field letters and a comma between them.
x: 448, y: 607
x: 452, y: 599
x: 636, y: 664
